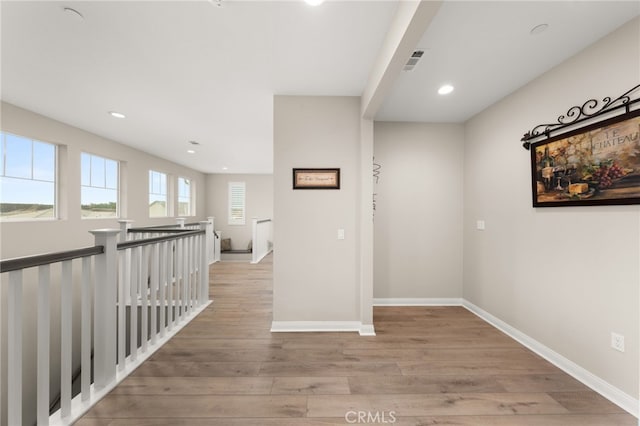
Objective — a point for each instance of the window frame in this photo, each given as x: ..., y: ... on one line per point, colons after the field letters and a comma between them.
x: 55, y: 181
x: 191, y: 196
x: 118, y: 183
x: 231, y: 220
x: 166, y: 193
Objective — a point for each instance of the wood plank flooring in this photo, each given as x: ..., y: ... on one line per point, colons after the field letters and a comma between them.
x: 426, y: 366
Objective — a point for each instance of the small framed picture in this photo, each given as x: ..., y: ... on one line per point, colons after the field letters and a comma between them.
x: 316, y: 178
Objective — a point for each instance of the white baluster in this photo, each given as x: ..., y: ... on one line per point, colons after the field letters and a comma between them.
x: 179, y: 279
x: 85, y: 332
x: 180, y: 221
x: 104, y: 311
x: 195, y: 263
x: 66, y: 300
x: 196, y: 271
x: 164, y: 249
x: 14, y: 349
x: 44, y: 281
x: 183, y: 276
x: 133, y: 312
x: 171, y: 280
x: 144, y: 298
x: 185, y: 282
x: 197, y: 241
x: 155, y: 281
x: 192, y: 272
x: 122, y: 307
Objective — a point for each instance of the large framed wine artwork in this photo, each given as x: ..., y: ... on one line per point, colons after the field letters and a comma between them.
x: 595, y: 165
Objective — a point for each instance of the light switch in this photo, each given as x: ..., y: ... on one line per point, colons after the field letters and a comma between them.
x: 341, y: 234
x: 480, y: 225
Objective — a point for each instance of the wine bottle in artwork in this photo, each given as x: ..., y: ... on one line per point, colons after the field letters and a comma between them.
x: 547, y: 169
x: 547, y: 160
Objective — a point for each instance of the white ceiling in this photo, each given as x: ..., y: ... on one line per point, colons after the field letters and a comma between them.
x: 485, y: 50
x: 189, y: 70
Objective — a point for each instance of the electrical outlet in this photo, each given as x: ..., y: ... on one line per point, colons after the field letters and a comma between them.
x: 617, y: 342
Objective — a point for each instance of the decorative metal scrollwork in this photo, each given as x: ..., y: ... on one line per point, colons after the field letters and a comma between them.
x: 589, y: 110
x: 376, y: 177
x: 376, y: 170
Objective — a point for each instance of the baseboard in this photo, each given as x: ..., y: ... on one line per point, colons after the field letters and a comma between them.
x: 452, y: 301
x: 605, y: 389
x: 367, y: 330
x: 615, y: 395
x: 308, y: 326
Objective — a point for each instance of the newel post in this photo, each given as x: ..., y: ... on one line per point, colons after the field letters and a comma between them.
x: 211, y: 243
x: 124, y: 227
x: 105, y: 295
x: 205, y: 241
x: 180, y: 221
x: 254, y: 240
x: 216, y: 241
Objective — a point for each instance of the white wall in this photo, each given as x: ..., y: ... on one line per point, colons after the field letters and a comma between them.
x: 569, y: 276
x: 259, y: 204
x: 315, y: 274
x: 34, y: 237
x: 418, y: 217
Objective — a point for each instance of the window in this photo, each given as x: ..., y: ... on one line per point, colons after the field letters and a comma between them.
x: 184, y: 197
x: 27, y: 178
x: 99, y: 186
x: 236, y: 203
x: 157, y: 194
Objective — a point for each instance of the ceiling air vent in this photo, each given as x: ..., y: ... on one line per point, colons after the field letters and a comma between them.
x: 413, y: 60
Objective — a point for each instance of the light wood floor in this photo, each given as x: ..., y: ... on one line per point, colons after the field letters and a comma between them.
x: 426, y: 366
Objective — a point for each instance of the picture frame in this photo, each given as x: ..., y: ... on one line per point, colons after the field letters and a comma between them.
x: 319, y: 178
x: 598, y: 164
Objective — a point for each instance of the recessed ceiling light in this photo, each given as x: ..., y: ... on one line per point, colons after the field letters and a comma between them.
x: 445, y: 90
x: 225, y: 168
x: 190, y: 151
x: 314, y: 2
x: 539, y: 29
x: 117, y: 114
x: 74, y: 14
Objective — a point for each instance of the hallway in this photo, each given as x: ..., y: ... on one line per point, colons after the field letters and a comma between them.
x: 427, y: 365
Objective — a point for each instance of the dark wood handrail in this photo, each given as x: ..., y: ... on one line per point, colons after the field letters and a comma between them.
x: 158, y: 230
x: 18, y: 263
x: 138, y: 243
x: 160, y: 227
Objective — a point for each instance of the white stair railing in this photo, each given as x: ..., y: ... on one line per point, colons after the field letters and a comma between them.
x: 127, y: 233
x: 157, y: 288
x: 14, y: 269
x: 262, y: 239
